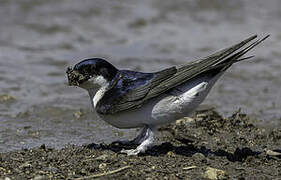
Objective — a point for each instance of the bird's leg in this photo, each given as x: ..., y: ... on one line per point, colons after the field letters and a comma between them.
x: 137, y: 140
x: 140, y: 136
x: 145, y: 142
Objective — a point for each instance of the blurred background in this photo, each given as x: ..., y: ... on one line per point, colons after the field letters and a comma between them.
x: 39, y: 39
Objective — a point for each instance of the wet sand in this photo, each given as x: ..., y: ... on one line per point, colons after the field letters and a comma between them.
x: 205, y: 146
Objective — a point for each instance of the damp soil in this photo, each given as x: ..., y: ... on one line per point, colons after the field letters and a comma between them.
x: 205, y: 146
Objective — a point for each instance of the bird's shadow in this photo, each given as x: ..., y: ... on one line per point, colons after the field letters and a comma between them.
x: 188, y: 150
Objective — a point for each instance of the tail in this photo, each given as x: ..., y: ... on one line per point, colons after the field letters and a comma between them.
x: 215, y: 63
x: 227, y: 58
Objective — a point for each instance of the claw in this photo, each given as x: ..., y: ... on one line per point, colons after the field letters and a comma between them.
x: 146, y: 138
x: 131, y: 152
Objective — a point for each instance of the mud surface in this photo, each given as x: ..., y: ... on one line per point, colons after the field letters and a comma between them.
x: 205, y: 146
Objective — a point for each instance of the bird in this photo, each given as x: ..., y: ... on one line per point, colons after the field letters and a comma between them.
x: 131, y: 99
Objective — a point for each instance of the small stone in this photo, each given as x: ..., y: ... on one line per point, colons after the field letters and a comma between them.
x: 171, y: 154
x: 201, y: 115
x: 102, y: 166
x: 40, y: 177
x: 184, y: 120
x: 7, y: 178
x: 190, y: 167
x: 272, y: 153
x: 79, y: 114
x: 214, y: 174
x: 189, y: 119
x: 102, y: 157
x: 199, y: 157
x: 180, y: 121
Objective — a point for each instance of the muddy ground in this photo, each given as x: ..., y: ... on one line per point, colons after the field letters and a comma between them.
x: 205, y: 146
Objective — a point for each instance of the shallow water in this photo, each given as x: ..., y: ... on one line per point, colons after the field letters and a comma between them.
x: 39, y: 39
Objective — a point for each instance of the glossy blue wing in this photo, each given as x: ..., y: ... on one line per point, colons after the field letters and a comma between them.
x: 129, y: 89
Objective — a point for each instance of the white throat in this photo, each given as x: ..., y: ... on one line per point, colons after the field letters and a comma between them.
x: 99, y: 80
x: 97, y: 91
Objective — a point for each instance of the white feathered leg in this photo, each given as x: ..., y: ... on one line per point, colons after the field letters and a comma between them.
x: 146, y: 142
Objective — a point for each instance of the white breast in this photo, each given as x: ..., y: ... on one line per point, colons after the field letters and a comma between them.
x: 98, y: 96
x: 98, y: 89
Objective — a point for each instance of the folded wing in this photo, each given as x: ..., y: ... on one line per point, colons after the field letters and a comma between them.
x: 130, y: 90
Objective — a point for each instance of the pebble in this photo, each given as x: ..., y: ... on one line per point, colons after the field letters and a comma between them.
x: 272, y: 153
x: 40, y: 177
x: 171, y: 154
x: 79, y: 114
x: 184, y: 120
x: 102, y: 157
x: 214, y: 174
x: 189, y: 167
x: 102, y: 166
x: 199, y: 156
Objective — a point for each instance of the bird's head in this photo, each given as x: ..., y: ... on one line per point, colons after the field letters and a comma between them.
x: 91, y: 73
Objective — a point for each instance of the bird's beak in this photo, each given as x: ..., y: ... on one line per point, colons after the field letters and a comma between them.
x: 74, y: 77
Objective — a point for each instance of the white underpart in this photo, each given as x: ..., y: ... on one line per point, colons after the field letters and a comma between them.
x: 166, y: 108
x: 98, y: 95
x: 96, y: 88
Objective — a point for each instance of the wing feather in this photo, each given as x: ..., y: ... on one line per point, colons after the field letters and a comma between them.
x: 129, y: 92
x: 131, y: 89
x: 141, y: 91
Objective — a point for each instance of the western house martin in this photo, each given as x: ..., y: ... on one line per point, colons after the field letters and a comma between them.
x: 130, y: 99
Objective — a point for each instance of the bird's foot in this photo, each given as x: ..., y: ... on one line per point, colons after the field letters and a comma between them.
x: 146, y: 143
x: 131, y: 152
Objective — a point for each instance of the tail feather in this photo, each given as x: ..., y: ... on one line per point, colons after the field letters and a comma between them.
x: 239, y: 54
x: 215, y: 57
x: 245, y: 58
x: 254, y: 44
x: 226, y: 62
x: 225, y: 65
x: 235, y: 57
